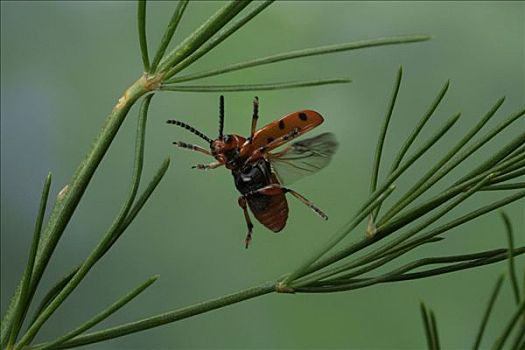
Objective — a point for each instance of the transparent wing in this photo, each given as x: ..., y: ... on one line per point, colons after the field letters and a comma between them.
x: 303, y: 158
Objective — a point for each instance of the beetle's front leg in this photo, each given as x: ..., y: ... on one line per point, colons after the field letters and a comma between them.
x: 207, y: 166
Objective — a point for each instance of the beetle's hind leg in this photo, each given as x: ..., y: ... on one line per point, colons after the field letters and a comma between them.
x: 242, y: 204
x: 275, y: 189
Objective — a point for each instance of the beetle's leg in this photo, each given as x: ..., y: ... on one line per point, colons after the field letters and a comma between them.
x: 192, y: 147
x: 259, y: 152
x: 207, y: 166
x: 255, y: 116
x: 275, y: 189
x: 242, y: 204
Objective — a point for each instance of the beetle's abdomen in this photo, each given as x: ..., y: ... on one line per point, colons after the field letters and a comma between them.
x: 271, y: 211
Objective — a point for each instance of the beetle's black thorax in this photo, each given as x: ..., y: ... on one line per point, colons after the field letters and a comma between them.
x: 253, y: 176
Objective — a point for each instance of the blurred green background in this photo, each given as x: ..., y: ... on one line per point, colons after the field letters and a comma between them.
x: 64, y: 65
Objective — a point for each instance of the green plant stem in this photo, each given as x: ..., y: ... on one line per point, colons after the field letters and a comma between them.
x: 435, y: 336
x: 303, y: 53
x: 141, y: 20
x: 419, y: 126
x: 511, y: 186
x: 253, y: 87
x: 25, y: 300
x: 488, y: 310
x: 429, y: 178
x: 426, y: 325
x: 219, y: 37
x: 339, y: 235
x: 466, y: 261
x: 382, y: 133
x: 212, y: 25
x: 512, y: 268
x: 391, y: 244
x: 168, y: 34
x: 95, y: 255
x: 100, y: 316
x: 171, y: 316
x: 313, y: 266
x: 70, y: 196
x: 498, y: 345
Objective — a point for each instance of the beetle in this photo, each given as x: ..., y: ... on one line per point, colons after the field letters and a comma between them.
x: 260, y: 175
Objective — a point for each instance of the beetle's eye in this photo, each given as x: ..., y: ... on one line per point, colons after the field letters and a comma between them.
x: 227, y: 138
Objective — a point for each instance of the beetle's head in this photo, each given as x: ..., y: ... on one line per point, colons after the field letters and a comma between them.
x: 226, y: 149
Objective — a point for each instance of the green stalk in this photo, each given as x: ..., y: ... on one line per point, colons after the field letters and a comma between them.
x: 512, y: 269
x: 141, y: 20
x: 382, y: 133
x: 435, y: 336
x: 95, y: 255
x: 25, y: 297
x: 169, y: 317
x: 423, y: 183
x: 498, y: 345
x: 426, y: 325
x: 303, y: 53
x: 70, y: 196
x: 212, y: 25
x: 220, y: 37
x: 168, y: 34
x: 100, y: 316
x: 253, y: 87
x: 313, y: 266
x: 419, y: 126
x: 488, y: 310
x: 338, y: 236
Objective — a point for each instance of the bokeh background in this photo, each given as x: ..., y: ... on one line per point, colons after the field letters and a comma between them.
x: 63, y: 66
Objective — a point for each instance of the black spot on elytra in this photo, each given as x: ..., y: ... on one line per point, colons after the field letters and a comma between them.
x: 281, y: 124
x: 269, y: 139
x: 303, y: 116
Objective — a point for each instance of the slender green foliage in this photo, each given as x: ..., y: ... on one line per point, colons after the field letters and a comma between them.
x: 100, y: 316
x: 302, y: 53
x: 512, y: 268
x: 500, y: 342
x: 323, y: 271
x: 488, y: 310
x: 426, y: 325
x: 141, y: 20
x: 168, y: 34
x: 253, y: 87
x: 25, y: 298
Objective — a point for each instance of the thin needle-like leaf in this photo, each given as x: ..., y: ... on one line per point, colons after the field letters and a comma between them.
x: 435, y: 335
x: 141, y: 20
x: 511, y: 186
x: 212, y: 25
x: 488, y: 310
x: 313, y: 266
x: 100, y: 316
x: 52, y: 293
x: 25, y: 296
x: 253, y: 87
x: 425, y: 182
x: 426, y: 325
x: 95, y: 255
x: 419, y: 126
x: 382, y: 133
x: 393, y: 243
x: 170, y: 316
x: 168, y: 34
x: 338, y: 236
x: 218, y: 38
x: 512, y: 268
x: 466, y: 261
x: 303, y: 53
x: 498, y: 345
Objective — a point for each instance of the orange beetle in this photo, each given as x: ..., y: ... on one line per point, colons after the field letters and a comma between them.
x: 260, y: 175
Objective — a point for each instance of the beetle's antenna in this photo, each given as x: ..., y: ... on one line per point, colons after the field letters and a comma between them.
x: 190, y: 129
x: 221, y: 116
